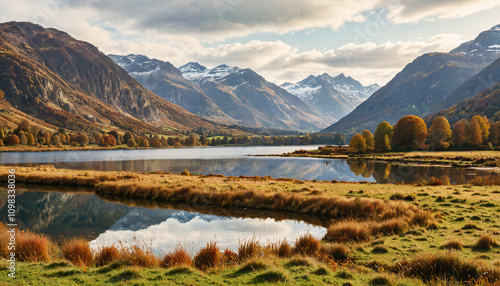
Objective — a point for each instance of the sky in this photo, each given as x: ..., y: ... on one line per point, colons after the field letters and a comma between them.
x: 283, y: 40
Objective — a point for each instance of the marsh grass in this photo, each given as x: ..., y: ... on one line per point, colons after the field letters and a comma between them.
x: 78, y: 252
x: 179, y: 257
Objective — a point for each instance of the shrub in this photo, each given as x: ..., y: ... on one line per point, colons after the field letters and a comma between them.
x: 186, y: 173
x: 230, y: 257
x: 486, y: 241
x: 307, y: 245
x: 208, y: 257
x: 78, y: 252
x: 347, y: 231
x: 178, y: 257
x: 106, y: 255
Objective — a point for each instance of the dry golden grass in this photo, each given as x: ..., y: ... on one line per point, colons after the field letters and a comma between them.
x: 347, y: 231
x: 486, y: 241
x: 208, y: 257
x: 31, y: 247
x: 307, y: 245
x: 281, y: 249
x: 139, y: 256
x: 249, y: 249
x: 106, y: 255
x: 78, y: 252
x: 178, y: 257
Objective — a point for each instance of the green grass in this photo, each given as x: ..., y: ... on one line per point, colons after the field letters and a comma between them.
x: 281, y: 272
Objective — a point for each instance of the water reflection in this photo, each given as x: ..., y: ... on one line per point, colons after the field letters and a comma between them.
x: 194, y: 230
x: 63, y: 214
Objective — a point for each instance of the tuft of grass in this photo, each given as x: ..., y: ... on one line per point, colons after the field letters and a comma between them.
x: 321, y: 271
x: 248, y: 249
x: 486, y: 242
x: 125, y: 275
x: 208, y: 257
x: 347, y: 231
x: 178, y: 257
x: 381, y: 280
x: 31, y: 247
x: 105, y: 255
x: 380, y: 249
x: 77, y: 251
x: 471, y: 226
x: 450, y: 266
x: 388, y: 227
x: 281, y: 249
x: 230, y: 257
x: 343, y: 274
x: 336, y: 251
x: 271, y: 276
x: 307, y: 244
x: 453, y: 244
x: 299, y: 261
x: 185, y: 173
x: 253, y: 265
x: 140, y: 256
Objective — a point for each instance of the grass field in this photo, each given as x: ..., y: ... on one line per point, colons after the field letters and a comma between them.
x: 397, y: 232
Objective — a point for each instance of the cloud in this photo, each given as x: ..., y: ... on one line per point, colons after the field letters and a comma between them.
x: 411, y: 11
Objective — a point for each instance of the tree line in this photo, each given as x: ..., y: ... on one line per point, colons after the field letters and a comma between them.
x: 411, y: 133
x: 30, y: 135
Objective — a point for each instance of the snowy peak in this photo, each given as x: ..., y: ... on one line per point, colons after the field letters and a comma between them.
x: 196, y: 72
x: 487, y: 44
x: 141, y: 65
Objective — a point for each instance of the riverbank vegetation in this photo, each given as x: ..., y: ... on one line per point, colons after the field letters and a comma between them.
x: 376, y: 233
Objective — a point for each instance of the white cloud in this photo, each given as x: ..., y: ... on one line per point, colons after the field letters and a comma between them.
x: 411, y: 11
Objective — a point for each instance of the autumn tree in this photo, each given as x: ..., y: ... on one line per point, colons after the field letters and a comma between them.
x: 440, y: 133
x: 30, y: 139
x: 458, y: 134
x: 128, y: 135
x: 23, y: 126
x: 131, y: 142
x: 368, y: 136
x: 474, y: 133
x: 383, y: 136
x: 339, y: 139
x: 358, y: 144
x: 494, y: 133
x: 485, y: 127
x: 156, y: 143
x: 23, y: 140
x: 11, y: 139
x: 410, y: 133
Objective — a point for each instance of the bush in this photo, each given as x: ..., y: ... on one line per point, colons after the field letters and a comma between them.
x: 307, y: 245
x: 185, y: 173
x: 176, y: 258
x: 282, y: 249
x: 11, y: 139
x: 78, y: 252
x: 208, y: 257
x: 139, y: 256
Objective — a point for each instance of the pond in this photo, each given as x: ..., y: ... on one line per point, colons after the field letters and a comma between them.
x: 62, y: 215
x: 234, y: 161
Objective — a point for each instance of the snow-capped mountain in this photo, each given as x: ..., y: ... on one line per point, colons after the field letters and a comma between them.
x: 333, y: 96
x: 166, y: 81
x: 486, y: 44
x: 253, y: 101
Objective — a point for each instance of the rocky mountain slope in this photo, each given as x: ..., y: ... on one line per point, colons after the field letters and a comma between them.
x: 166, y: 81
x: 253, y: 101
x: 49, y: 75
x: 332, y: 96
x: 423, y: 84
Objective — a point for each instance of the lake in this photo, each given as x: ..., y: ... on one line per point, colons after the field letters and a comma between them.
x: 234, y: 161
x: 62, y: 215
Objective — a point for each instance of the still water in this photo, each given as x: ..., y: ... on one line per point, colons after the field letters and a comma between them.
x: 234, y: 161
x: 60, y: 214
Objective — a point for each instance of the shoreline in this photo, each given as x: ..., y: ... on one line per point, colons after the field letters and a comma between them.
x: 457, y: 159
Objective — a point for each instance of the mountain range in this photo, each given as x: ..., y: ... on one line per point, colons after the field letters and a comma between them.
x: 251, y: 100
x: 55, y: 80
x: 427, y: 85
x: 332, y: 96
